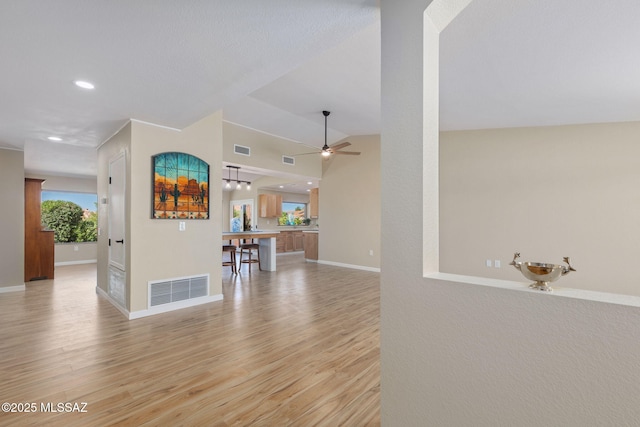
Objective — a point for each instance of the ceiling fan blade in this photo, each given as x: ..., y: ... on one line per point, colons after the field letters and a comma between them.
x: 340, y: 145
x: 353, y: 153
x: 304, y: 154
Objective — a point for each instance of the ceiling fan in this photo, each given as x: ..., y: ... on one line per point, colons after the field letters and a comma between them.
x: 328, y: 150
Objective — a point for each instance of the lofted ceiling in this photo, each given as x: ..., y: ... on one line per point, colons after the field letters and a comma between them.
x: 274, y: 66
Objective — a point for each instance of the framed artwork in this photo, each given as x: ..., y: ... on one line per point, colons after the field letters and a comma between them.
x: 180, y: 187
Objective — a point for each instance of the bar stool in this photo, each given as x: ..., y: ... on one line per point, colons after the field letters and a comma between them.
x: 249, y: 248
x: 232, y: 258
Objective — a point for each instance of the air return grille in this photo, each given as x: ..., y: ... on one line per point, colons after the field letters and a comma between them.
x: 288, y: 160
x: 241, y: 149
x: 174, y: 290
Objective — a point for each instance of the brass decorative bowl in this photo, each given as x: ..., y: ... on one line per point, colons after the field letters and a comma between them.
x: 542, y: 273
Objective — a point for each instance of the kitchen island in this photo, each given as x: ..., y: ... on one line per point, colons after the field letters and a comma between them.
x: 267, y: 242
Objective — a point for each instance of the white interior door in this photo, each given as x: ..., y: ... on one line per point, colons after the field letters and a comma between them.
x: 117, y: 192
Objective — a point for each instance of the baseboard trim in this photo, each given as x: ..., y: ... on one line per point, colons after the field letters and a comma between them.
x: 113, y: 302
x: 86, y: 261
x: 355, y: 267
x: 18, y: 288
x: 158, y: 310
x: 175, y: 306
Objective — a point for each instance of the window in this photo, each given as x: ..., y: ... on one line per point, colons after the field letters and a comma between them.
x: 72, y: 216
x: 293, y: 213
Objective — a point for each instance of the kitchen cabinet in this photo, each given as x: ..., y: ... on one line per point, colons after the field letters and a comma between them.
x: 269, y: 205
x: 313, y: 202
x: 311, y: 245
x: 290, y: 241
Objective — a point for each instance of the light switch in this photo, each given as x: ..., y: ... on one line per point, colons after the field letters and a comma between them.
x: 488, y: 263
x: 496, y: 263
x: 182, y: 226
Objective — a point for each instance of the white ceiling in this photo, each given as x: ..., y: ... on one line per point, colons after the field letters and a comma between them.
x: 274, y: 66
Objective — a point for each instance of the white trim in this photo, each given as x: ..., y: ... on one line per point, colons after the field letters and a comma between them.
x: 267, y: 133
x: 559, y: 291
x: 18, y: 288
x: 175, y: 306
x: 86, y: 261
x: 355, y: 267
x: 113, y: 302
x: 156, y: 125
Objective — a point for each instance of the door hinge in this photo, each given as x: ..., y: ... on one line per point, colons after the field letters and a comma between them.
x: 109, y: 180
x: 109, y: 242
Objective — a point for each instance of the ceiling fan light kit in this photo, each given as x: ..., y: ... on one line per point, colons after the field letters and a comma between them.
x: 328, y: 150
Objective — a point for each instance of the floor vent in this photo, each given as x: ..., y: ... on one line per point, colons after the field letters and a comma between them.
x: 117, y: 285
x: 288, y: 160
x: 174, y: 290
x: 241, y: 149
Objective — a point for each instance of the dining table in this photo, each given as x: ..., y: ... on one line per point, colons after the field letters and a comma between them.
x: 266, y: 240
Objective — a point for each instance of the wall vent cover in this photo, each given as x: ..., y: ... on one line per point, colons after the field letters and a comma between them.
x: 288, y: 160
x: 173, y: 290
x: 242, y: 150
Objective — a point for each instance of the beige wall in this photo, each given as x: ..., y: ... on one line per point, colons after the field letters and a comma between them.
x: 76, y: 253
x: 545, y: 192
x: 64, y: 183
x: 460, y: 353
x: 349, y: 216
x: 157, y: 249
x: 267, y: 151
x: 12, y: 222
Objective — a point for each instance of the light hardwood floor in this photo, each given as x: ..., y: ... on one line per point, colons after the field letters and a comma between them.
x: 297, y: 347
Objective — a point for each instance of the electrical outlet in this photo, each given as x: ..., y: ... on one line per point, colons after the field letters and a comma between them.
x: 488, y: 263
x: 76, y: 248
x: 370, y: 252
x: 182, y: 226
x: 496, y: 263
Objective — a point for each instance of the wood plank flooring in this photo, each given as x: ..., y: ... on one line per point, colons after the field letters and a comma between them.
x: 295, y: 347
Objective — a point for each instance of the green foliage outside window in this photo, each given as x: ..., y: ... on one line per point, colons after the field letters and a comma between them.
x: 67, y: 221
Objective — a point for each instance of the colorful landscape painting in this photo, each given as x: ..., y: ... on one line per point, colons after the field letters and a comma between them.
x: 180, y: 186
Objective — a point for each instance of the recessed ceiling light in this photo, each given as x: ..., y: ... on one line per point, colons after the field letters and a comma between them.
x: 54, y: 138
x: 84, y: 85
x: 309, y: 182
x: 282, y: 186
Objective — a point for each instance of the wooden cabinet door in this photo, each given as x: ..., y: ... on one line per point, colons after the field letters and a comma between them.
x: 298, y: 241
x: 288, y: 241
x: 270, y: 205
x: 313, y: 203
x: 311, y: 245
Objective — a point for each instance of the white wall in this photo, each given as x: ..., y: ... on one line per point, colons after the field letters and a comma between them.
x: 462, y: 354
x: 12, y: 222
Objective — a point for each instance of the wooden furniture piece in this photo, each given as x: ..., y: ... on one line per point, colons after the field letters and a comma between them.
x: 290, y: 241
x: 267, y: 242
x: 314, y: 199
x: 269, y: 205
x: 39, y: 244
x: 248, y: 248
x: 311, y: 245
x: 231, y: 250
